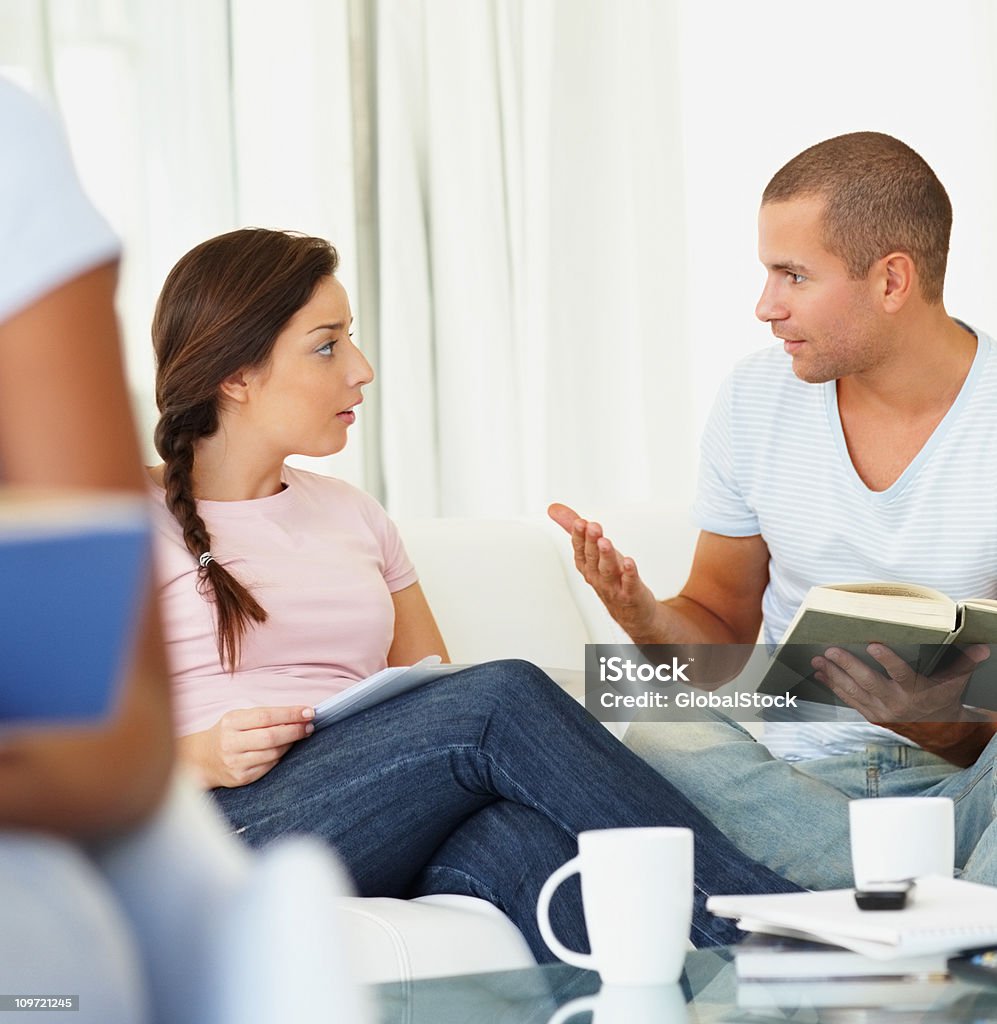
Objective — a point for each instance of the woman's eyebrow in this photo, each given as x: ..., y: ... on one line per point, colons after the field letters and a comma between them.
x: 338, y: 326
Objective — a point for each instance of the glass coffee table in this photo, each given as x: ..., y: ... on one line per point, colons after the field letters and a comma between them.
x: 708, y: 992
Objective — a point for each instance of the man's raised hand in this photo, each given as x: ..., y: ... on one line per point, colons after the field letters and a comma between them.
x: 611, y: 575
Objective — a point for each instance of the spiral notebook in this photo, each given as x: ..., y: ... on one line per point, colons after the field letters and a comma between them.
x: 943, y: 915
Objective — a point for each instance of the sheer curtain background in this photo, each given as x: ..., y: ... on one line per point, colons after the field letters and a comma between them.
x: 545, y: 209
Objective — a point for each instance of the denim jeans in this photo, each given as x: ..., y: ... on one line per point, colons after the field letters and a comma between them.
x: 479, y: 783
x: 794, y: 817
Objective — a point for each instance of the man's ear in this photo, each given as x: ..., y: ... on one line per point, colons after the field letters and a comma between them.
x: 235, y: 387
x: 899, y: 280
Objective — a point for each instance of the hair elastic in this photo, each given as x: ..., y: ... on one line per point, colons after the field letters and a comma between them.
x: 205, y: 559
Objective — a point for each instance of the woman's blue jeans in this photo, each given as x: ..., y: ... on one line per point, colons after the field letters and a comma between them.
x: 479, y: 783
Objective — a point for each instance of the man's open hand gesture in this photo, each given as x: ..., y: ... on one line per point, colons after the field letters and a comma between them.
x: 611, y: 575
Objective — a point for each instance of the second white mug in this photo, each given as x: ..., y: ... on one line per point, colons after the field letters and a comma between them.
x: 637, y: 899
x: 894, y: 838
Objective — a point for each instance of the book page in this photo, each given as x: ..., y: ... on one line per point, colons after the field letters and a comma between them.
x: 887, y: 589
x: 887, y: 602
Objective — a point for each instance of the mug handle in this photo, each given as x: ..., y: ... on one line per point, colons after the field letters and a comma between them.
x: 572, y: 1009
x: 569, y: 956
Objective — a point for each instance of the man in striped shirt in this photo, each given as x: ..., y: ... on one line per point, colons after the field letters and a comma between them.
x: 859, y: 448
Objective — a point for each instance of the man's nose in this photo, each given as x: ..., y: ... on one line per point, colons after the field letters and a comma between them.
x: 770, y: 306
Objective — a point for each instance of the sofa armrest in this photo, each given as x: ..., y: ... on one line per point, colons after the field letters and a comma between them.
x: 430, y: 937
x: 571, y: 680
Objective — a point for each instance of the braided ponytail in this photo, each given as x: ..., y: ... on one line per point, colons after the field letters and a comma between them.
x: 235, y: 607
x: 220, y: 311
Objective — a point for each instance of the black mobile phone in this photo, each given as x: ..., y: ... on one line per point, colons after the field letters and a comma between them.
x: 884, y: 895
x: 979, y: 965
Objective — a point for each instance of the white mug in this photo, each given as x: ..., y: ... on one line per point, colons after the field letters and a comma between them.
x: 637, y: 899
x: 624, y: 1004
x: 894, y: 838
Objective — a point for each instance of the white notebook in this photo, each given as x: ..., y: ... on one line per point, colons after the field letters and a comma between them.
x: 943, y: 915
x: 381, y: 686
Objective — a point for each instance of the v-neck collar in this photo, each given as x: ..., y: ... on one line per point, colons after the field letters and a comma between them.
x: 944, y: 425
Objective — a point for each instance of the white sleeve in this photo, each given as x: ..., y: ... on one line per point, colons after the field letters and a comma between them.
x: 49, y: 230
x: 720, y: 507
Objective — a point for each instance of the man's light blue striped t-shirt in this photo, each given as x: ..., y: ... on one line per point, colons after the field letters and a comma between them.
x: 775, y: 463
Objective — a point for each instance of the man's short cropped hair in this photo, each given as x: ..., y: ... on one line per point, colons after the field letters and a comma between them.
x: 880, y: 197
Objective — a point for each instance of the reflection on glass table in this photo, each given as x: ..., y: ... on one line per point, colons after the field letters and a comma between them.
x: 708, y: 992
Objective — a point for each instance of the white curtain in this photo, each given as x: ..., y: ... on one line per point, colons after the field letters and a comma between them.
x: 530, y: 253
x: 191, y: 118
x: 143, y: 91
x: 559, y: 265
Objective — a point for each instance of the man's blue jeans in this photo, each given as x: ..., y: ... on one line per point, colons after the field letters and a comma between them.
x: 479, y: 783
x: 794, y: 817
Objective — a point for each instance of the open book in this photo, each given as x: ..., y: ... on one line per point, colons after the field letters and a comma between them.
x: 943, y: 915
x: 71, y: 571
x: 381, y: 686
x: 920, y: 624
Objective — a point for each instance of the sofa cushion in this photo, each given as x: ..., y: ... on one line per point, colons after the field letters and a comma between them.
x: 498, y: 589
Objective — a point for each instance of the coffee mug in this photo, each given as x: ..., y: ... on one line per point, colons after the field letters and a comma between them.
x: 894, y: 838
x: 637, y: 900
x: 626, y: 1004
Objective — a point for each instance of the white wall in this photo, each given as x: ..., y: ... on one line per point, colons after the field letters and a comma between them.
x: 763, y: 80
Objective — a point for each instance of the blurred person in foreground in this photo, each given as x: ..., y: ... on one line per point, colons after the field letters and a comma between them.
x: 113, y: 886
x: 65, y: 422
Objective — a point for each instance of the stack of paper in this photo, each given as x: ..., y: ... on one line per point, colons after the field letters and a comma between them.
x: 896, y: 993
x: 943, y: 915
x: 762, y: 957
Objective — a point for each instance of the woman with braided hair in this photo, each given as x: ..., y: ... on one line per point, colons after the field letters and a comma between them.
x: 280, y: 587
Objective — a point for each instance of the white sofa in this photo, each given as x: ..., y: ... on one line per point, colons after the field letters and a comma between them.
x: 501, y: 589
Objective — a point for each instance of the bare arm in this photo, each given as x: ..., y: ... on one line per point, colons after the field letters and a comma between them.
x: 416, y: 632
x: 960, y: 743
x: 65, y: 421
x: 721, y: 602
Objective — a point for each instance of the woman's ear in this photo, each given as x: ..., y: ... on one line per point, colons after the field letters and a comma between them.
x: 235, y: 387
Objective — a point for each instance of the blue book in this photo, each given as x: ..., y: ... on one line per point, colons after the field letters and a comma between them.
x: 72, y: 577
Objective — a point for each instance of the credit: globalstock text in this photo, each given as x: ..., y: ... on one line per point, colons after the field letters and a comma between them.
x: 684, y: 699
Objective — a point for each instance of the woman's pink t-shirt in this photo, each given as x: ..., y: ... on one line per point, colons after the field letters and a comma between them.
x: 322, y: 558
